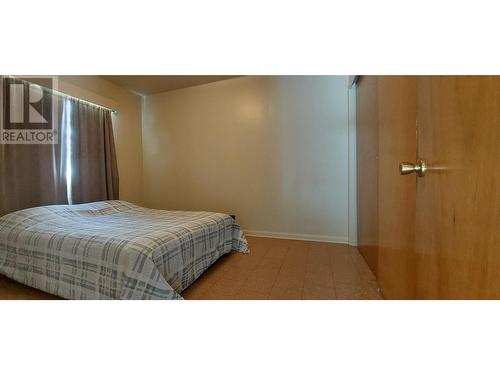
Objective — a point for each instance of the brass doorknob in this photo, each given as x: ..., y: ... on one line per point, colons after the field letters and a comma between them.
x: 420, y: 168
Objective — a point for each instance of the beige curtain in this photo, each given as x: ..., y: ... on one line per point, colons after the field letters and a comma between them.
x: 81, y: 167
x: 31, y: 174
x: 94, y: 171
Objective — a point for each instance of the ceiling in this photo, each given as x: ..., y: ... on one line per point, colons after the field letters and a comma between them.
x: 147, y: 85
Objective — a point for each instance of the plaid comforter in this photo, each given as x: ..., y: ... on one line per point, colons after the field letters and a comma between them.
x: 113, y: 249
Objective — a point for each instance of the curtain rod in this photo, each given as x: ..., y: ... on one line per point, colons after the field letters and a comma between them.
x: 59, y: 93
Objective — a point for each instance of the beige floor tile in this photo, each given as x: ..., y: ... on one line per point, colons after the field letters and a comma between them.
x: 250, y: 294
x: 284, y: 293
x: 318, y: 292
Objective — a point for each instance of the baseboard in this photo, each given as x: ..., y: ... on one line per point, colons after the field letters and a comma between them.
x: 353, y: 242
x: 297, y: 236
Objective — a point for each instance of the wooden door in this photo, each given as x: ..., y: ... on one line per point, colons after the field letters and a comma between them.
x: 396, y: 194
x: 458, y: 200
x: 367, y: 169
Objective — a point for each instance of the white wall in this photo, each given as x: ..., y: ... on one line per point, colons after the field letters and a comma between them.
x: 271, y: 149
x: 353, y: 208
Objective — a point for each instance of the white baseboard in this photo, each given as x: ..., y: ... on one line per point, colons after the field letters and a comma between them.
x: 297, y: 236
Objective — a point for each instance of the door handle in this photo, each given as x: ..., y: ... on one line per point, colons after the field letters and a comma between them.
x: 420, y: 168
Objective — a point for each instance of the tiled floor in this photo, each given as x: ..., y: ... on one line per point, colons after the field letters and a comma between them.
x: 275, y: 269
x: 286, y: 269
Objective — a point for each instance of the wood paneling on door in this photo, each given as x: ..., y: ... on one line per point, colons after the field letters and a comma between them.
x: 437, y: 236
x: 396, y: 193
x: 458, y: 201
x: 367, y: 169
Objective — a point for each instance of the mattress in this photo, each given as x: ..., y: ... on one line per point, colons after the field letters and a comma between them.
x: 113, y: 249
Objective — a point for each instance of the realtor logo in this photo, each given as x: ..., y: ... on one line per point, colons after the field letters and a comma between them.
x: 29, y: 110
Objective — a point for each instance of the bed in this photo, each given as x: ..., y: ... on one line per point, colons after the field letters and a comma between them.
x: 113, y: 249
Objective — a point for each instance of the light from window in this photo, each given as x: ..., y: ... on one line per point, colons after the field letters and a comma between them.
x: 69, y: 172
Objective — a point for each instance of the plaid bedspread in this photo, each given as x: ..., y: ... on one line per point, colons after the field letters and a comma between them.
x: 113, y: 249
